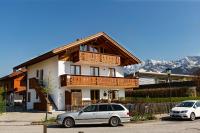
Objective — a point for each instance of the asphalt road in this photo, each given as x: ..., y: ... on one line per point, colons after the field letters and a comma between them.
x: 165, y: 126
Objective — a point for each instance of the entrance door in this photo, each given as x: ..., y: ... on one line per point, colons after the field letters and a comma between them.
x: 67, y: 100
x: 76, y: 97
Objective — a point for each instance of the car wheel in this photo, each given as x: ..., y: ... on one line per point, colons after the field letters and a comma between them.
x: 192, y: 116
x: 68, y: 122
x: 114, y: 121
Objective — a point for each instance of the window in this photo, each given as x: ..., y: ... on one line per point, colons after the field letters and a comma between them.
x: 75, y: 70
x: 91, y: 108
x: 36, y: 96
x: 102, y: 50
x: 112, y: 72
x: 94, y: 71
x: 29, y: 97
x: 41, y: 74
x: 94, y: 94
x: 37, y: 73
x: 105, y: 108
x: 198, y: 104
x: 83, y: 47
x: 115, y: 94
x: 89, y: 48
x: 93, y: 49
x: 117, y: 107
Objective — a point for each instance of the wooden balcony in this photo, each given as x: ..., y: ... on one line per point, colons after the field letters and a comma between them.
x: 96, y: 58
x: 98, y: 82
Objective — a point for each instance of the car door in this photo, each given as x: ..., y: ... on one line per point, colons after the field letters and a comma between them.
x: 87, y: 115
x: 197, y: 109
x: 104, y: 113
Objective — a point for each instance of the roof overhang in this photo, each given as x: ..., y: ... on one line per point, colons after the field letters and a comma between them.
x: 56, y: 51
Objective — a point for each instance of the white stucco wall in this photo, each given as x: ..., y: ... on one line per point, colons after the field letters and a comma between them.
x: 143, y: 81
x: 50, y: 72
x: 53, y: 68
x: 64, y: 68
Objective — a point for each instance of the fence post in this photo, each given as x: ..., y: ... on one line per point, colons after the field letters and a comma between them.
x: 44, y: 128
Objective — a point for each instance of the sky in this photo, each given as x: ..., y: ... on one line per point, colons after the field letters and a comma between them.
x: 150, y: 29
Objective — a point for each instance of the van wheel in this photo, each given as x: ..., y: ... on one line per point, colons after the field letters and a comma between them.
x: 68, y: 122
x: 192, y: 116
x: 114, y: 121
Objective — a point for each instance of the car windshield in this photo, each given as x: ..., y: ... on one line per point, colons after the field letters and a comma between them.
x: 185, y: 104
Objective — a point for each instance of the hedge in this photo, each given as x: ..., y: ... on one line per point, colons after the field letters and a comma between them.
x: 158, y: 100
x: 2, y: 101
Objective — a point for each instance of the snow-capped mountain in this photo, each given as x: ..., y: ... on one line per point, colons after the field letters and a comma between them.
x: 187, y: 65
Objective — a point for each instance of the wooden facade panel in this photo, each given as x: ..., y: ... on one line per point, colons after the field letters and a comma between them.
x: 81, y: 80
x: 20, y: 83
x: 90, y: 57
x: 106, y: 81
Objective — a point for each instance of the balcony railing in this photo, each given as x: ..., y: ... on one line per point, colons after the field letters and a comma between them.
x: 96, y: 58
x: 95, y: 81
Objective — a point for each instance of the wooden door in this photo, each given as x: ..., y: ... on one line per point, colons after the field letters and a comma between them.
x: 76, y: 98
x: 67, y: 98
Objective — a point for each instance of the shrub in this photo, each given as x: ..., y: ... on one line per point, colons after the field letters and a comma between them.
x: 158, y: 100
x: 136, y: 116
x: 2, y: 101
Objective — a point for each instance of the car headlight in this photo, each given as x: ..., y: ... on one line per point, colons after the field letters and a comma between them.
x: 185, y: 111
x: 58, y: 117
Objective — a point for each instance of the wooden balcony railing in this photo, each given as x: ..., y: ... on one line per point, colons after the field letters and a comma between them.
x: 94, y: 81
x: 96, y: 58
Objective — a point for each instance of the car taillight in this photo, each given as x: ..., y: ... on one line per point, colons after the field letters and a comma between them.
x: 128, y: 113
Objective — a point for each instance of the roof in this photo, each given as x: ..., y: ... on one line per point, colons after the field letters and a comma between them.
x: 14, y: 74
x: 58, y: 50
x: 190, y: 101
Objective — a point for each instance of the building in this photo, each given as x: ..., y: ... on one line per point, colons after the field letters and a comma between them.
x: 14, y: 85
x: 152, y: 84
x: 146, y: 78
x: 79, y: 73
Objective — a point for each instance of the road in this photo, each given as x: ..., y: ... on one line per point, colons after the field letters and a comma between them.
x: 150, y: 127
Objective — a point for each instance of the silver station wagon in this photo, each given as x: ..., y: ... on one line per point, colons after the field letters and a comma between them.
x: 103, y: 113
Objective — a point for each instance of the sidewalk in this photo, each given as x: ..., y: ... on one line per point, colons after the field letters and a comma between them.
x: 160, y: 116
x: 24, y: 118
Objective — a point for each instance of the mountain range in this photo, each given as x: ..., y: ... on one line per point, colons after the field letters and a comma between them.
x: 187, y: 65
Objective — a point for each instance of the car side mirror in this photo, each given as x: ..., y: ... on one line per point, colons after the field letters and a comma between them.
x: 81, y: 111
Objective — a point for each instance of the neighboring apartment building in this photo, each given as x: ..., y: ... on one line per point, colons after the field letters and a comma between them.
x: 146, y: 78
x: 14, y: 85
x: 82, y: 72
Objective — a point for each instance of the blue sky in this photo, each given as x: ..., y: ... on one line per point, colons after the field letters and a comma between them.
x: 150, y: 29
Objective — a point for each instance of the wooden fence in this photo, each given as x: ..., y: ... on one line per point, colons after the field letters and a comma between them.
x: 141, y: 108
